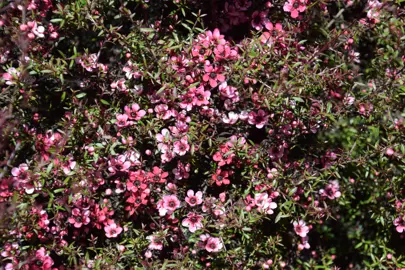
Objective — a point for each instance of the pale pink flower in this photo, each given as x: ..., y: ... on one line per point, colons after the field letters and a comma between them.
x: 399, y: 222
x: 181, y: 147
x: 168, y: 204
x: 331, y: 190
x: 21, y: 173
x: 131, y: 70
x: 156, y: 243
x: 194, y: 199
x: 119, y: 164
x: 42, y: 260
x: 112, y: 230
x: 264, y: 203
x: 122, y: 120
x: 231, y: 118
x: 193, y: 222
x: 213, y: 244
x: 301, y: 228
x: 11, y: 76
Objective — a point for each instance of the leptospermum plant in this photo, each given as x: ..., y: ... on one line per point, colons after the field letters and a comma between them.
x: 202, y: 134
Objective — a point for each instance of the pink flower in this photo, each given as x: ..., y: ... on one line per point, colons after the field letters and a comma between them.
x: 194, y: 199
x: 192, y: 222
x: 300, y: 228
x: 275, y: 33
x: 79, y: 218
x: 181, y: 147
x: 399, y: 222
x: 259, y: 19
x: 212, y: 75
x: 21, y: 173
x: 42, y: 260
x: 201, y: 97
x: 157, y: 175
x: 181, y: 171
x: 134, y: 113
x: 213, y: 244
x: 156, y: 243
x: 131, y: 71
x: 264, y: 203
x: 112, y: 230
x: 168, y: 204
x: 331, y: 190
x: 122, y: 120
x: 119, y: 164
x: 221, y: 177
x: 259, y: 119
x: 295, y: 7
x: 10, y: 76
x: 231, y: 118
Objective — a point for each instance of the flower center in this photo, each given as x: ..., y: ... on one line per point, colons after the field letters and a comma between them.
x: 220, y: 178
x: 202, y: 51
x: 213, y: 75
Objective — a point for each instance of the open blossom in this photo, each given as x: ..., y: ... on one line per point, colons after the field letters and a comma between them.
x: 156, y: 242
x: 193, y: 222
x: 264, y: 203
x: 42, y: 261
x: 221, y: 177
x: 168, y: 204
x: 201, y: 97
x: 259, y: 19
x: 331, y: 190
x: 399, y: 222
x: 79, y: 217
x: 301, y: 228
x: 157, y: 175
x: 181, y: 171
x: 134, y: 112
x: 131, y: 70
x: 295, y: 7
x: 122, y: 120
x: 231, y: 118
x: 258, y: 119
x: 213, y: 74
x: 119, y: 164
x: 112, y: 230
x: 194, y: 199
x: 213, y: 244
x: 181, y: 147
x: 11, y: 76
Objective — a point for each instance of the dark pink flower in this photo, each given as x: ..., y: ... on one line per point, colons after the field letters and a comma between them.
x: 201, y: 97
x: 259, y: 19
x: 42, y: 260
x: 193, y: 222
x: 212, y: 74
x: 295, y: 7
x: 157, y: 175
x: 259, y: 119
x: 79, y: 218
x: 134, y: 112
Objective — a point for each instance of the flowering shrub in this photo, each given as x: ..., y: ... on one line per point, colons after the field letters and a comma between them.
x: 183, y: 134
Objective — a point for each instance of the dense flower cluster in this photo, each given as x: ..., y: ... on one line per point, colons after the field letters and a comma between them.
x: 202, y: 134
